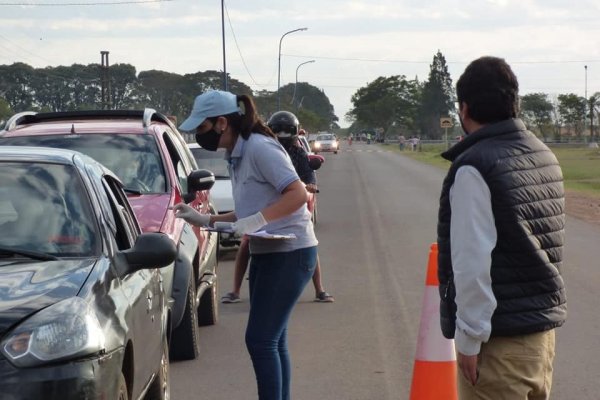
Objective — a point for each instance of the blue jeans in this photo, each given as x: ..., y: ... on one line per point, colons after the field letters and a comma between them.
x: 276, y: 282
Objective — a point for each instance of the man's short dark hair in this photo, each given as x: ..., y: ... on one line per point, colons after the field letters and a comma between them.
x: 490, y: 89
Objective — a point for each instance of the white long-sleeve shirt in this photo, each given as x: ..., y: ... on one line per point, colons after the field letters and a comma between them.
x: 473, y: 237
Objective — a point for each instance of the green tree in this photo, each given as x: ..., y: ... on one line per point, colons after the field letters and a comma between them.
x: 5, y: 111
x: 163, y: 91
x: 123, y: 81
x: 536, y: 110
x: 52, y: 88
x: 385, y: 103
x: 437, y: 98
x: 16, y: 86
x: 594, y: 114
x: 572, y: 112
x: 311, y: 105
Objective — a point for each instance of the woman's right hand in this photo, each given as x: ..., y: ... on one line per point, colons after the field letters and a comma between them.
x: 190, y: 215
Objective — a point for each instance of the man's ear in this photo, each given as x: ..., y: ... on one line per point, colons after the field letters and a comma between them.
x: 463, y: 110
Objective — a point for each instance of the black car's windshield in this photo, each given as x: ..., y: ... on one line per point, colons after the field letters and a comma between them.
x: 213, y: 161
x: 44, y: 212
x: 134, y: 158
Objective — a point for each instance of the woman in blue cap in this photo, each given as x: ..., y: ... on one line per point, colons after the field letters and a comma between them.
x: 268, y: 195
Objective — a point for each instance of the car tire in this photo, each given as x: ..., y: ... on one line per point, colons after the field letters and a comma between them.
x: 185, y: 340
x: 160, y: 389
x: 123, y: 394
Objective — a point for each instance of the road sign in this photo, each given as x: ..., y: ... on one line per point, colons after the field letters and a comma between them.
x: 446, y: 122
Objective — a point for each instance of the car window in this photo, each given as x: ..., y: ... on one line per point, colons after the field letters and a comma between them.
x: 304, y: 144
x: 45, y: 207
x: 213, y: 161
x: 178, y: 162
x: 127, y: 227
x: 134, y: 158
x: 325, y: 137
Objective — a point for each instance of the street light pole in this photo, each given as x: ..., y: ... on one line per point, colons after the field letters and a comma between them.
x: 296, y: 84
x: 279, y: 65
x: 223, y: 36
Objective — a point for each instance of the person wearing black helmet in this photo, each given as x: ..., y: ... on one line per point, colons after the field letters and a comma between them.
x: 286, y: 127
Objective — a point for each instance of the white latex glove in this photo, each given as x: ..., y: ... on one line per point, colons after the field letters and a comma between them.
x: 249, y: 224
x: 190, y: 215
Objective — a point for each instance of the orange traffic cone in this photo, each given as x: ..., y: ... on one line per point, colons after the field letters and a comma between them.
x: 434, y: 373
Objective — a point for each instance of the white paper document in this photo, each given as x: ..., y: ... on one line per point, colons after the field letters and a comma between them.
x: 220, y: 229
x: 267, y: 235
x: 259, y: 234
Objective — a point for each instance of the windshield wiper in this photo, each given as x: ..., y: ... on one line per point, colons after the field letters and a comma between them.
x: 36, y: 255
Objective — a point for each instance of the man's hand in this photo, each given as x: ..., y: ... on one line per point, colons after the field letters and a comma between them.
x: 249, y: 224
x: 190, y: 215
x: 468, y: 366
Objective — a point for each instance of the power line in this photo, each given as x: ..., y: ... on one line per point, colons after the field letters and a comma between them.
x: 429, y: 62
x: 107, y: 3
x: 25, y: 50
x: 239, y: 50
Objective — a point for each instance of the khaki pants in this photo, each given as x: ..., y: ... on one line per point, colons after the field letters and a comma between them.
x: 512, y: 368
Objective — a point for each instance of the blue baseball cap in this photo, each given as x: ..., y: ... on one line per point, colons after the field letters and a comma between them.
x: 213, y: 103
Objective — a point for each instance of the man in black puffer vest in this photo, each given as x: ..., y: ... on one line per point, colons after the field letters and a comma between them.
x: 500, y: 239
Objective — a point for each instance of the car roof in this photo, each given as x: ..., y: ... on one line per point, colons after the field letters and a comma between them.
x: 52, y: 155
x: 78, y: 122
x: 43, y: 154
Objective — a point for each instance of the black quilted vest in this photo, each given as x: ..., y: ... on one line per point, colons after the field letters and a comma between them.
x: 528, y: 203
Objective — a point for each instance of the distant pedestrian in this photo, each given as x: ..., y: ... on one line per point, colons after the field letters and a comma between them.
x: 269, y: 195
x: 500, y: 238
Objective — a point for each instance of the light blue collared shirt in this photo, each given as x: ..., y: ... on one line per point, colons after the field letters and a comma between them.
x: 474, y: 236
x: 260, y: 170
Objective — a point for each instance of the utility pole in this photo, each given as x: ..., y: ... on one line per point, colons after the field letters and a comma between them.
x: 587, y: 101
x: 223, y: 40
x: 105, y: 81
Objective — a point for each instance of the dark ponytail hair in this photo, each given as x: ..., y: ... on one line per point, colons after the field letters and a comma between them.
x: 248, y: 121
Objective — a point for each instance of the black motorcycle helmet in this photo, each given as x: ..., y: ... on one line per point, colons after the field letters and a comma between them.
x: 285, y: 125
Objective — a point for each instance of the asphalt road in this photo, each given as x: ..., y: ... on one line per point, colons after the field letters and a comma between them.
x: 377, y: 213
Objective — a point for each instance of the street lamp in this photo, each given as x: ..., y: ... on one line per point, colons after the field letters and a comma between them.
x: 296, y: 84
x: 223, y: 35
x: 586, y: 102
x: 279, y: 65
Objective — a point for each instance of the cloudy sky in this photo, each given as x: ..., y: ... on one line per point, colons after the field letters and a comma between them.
x: 548, y: 42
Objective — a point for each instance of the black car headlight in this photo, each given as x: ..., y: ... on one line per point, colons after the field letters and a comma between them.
x: 65, y: 330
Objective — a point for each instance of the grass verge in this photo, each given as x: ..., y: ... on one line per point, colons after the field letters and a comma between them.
x: 580, y: 166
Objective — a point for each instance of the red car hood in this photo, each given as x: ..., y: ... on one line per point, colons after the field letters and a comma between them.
x: 150, y: 210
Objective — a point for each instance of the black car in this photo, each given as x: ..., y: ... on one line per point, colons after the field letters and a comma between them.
x: 83, y: 313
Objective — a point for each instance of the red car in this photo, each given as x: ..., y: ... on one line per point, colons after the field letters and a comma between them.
x: 158, y: 171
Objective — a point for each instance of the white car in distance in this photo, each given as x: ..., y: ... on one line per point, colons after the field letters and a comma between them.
x: 325, y: 142
x: 221, y: 193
